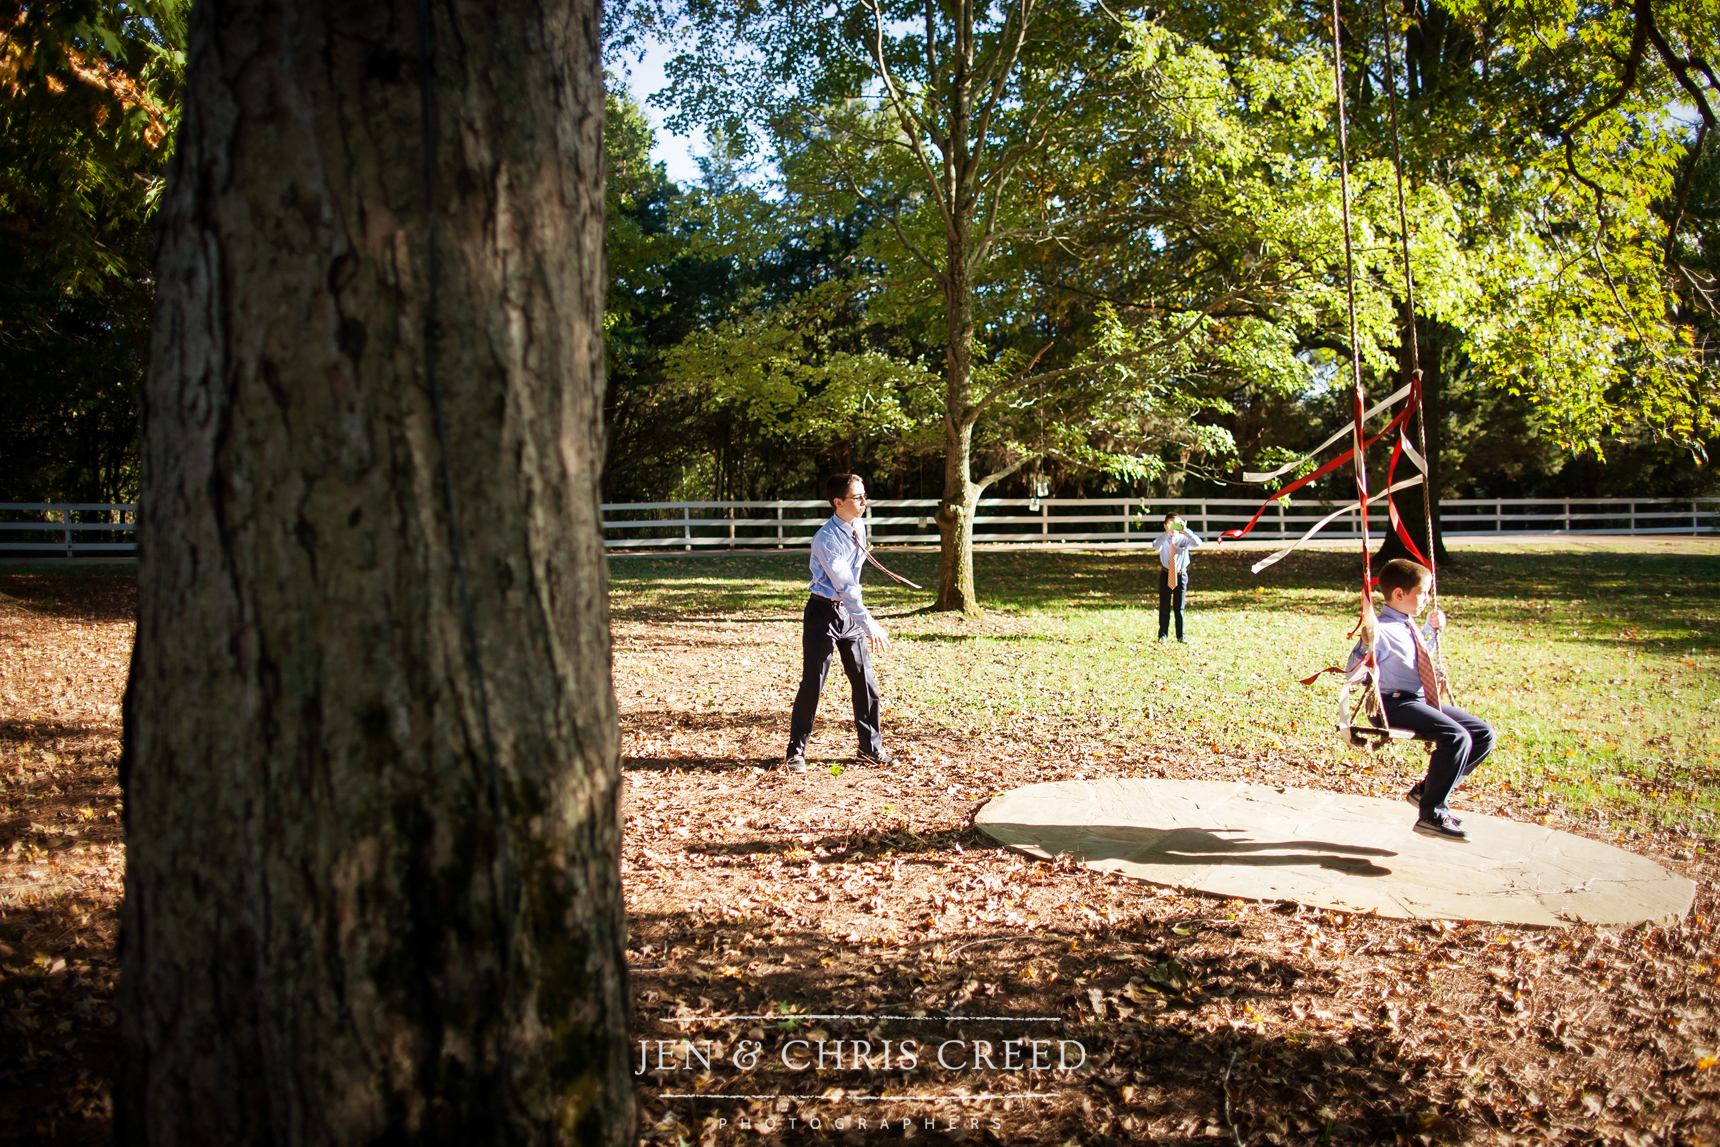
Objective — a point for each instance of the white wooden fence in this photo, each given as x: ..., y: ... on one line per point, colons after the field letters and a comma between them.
x: 1117, y: 522
x: 68, y: 528
x: 71, y: 529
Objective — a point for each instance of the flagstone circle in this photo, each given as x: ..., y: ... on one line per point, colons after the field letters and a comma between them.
x: 1335, y: 851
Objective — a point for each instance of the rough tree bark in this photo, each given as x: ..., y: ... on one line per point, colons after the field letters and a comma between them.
x: 372, y: 889
x: 961, y: 494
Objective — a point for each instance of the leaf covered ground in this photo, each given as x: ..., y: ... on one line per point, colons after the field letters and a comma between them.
x: 864, y: 893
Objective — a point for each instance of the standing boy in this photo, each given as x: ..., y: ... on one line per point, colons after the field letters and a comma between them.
x: 1173, y: 546
x: 835, y: 620
x: 1409, y: 688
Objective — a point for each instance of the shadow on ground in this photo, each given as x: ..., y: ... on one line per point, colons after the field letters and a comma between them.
x: 1118, y: 1006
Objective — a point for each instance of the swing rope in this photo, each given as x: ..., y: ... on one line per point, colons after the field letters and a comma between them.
x: 1358, y: 399
x: 1366, y: 675
x: 1360, y: 412
x: 1417, y: 397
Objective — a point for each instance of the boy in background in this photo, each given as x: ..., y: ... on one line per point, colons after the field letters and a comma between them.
x: 1173, y: 546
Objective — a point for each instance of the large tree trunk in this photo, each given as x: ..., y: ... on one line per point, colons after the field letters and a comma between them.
x: 371, y: 775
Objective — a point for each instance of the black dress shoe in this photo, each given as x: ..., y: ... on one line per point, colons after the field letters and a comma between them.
x: 1443, y: 827
x: 1414, y: 798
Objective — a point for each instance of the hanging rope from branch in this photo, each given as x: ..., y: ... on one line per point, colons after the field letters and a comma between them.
x: 1368, y: 623
x: 1428, y: 493
x: 1364, y: 678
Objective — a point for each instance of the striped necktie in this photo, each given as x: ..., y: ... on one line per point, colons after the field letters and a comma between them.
x: 861, y: 546
x: 1424, y: 666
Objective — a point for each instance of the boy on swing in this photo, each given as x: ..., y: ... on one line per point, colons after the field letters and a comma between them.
x: 1410, y: 691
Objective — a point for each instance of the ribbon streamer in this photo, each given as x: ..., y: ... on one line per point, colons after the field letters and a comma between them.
x: 891, y: 572
x: 1249, y: 476
x: 1394, y: 424
x: 1324, y: 522
x: 1401, y: 448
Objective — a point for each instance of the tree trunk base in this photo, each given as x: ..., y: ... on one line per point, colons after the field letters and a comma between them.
x: 955, y: 566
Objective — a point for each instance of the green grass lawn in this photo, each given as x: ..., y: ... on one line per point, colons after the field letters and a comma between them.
x: 1594, y: 661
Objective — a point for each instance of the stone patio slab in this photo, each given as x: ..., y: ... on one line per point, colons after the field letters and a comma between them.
x: 1335, y: 851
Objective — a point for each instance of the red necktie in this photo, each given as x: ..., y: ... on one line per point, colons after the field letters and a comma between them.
x: 855, y: 531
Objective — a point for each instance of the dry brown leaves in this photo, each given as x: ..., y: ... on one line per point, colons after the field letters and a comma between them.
x: 65, y: 644
x: 754, y: 893
x: 865, y: 894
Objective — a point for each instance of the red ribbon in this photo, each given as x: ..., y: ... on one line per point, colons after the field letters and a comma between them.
x: 1391, y: 506
x: 1321, y: 673
x: 1232, y: 535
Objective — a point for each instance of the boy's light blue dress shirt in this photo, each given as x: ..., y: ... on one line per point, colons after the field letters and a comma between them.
x: 837, y: 560
x: 1394, y: 645
x: 1174, y: 547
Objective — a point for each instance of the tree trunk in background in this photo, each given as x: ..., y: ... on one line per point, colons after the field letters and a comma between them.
x: 957, y: 182
x: 1410, y: 502
x: 372, y: 889
x: 961, y: 494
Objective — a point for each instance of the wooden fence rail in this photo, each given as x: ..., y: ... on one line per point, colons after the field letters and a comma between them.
x: 73, y: 528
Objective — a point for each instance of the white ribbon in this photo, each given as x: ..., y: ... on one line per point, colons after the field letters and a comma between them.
x: 1409, y: 452
x: 1327, y: 520
x: 1395, y: 396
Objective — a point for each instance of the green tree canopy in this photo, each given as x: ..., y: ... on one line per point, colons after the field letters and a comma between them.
x: 1090, y: 220
x: 88, y: 104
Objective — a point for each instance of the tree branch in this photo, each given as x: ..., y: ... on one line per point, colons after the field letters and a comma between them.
x: 1000, y: 81
x: 1000, y: 475
x: 1627, y: 82
x: 910, y: 126
x: 1683, y: 199
x: 1022, y: 381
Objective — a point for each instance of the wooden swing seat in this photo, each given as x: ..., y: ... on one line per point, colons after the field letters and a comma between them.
x: 1380, y: 732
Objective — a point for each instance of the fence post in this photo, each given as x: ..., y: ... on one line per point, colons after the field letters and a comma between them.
x: 1044, y: 519
x: 1567, y: 515
x: 779, y: 525
x: 1499, y: 515
x: 1695, y: 525
x: 1204, y: 528
x: 66, y: 520
x: 1127, y: 503
x: 687, y: 530
x: 731, y: 527
x: 1633, y: 517
x: 1283, y: 527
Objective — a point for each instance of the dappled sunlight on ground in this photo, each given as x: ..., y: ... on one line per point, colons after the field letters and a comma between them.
x: 867, y: 892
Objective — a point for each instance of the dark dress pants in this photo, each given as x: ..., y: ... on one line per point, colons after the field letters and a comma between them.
x: 1171, y: 598
x: 1460, y: 742
x: 825, y: 628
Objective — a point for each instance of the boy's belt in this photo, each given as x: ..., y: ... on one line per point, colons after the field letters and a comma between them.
x: 1401, y: 694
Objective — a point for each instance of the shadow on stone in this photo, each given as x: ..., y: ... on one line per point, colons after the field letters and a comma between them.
x: 1183, y: 846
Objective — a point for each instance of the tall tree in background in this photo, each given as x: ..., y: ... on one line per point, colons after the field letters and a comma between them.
x: 987, y: 145
x: 1548, y: 125
x: 370, y: 758
x: 88, y: 100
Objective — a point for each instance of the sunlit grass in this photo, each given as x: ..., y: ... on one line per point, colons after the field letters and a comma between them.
x: 1596, y: 668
